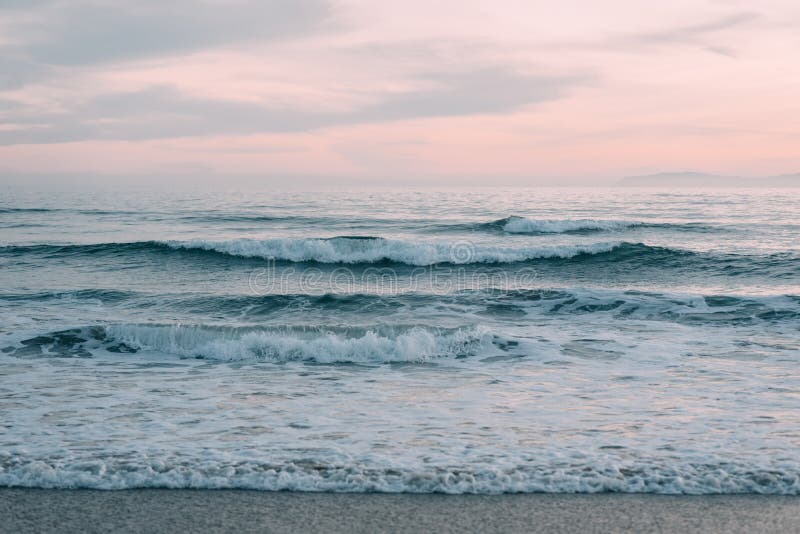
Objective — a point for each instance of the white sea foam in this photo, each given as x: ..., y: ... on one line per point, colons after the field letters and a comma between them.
x: 584, y: 405
x: 523, y: 225
x: 372, y: 250
x: 416, y: 344
x: 592, y: 475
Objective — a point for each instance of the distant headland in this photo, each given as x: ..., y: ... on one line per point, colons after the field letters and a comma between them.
x: 699, y: 179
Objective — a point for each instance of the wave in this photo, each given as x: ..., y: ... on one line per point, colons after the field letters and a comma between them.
x: 101, y: 295
x: 251, y: 344
x: 234, y: 217
x: 22, y: 225
x: 523, y: 225
x: 586, y: 473
x: 356, y: 249
x: 724, y: 310
x: 82, y: 211
x: 337, y: 250
x: 617, y: 260
x: 25, y: 210
x: 91, y: 249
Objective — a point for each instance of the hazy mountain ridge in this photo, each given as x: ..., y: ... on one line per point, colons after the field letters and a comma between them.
x: 700, y: 179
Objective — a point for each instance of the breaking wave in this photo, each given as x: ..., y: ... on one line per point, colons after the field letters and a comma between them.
x: 250, y: 344
x: 524, y: 225
x: 342, y: 250
x: 354, y: 250
x: 595, y: 473
x: 626, y: 257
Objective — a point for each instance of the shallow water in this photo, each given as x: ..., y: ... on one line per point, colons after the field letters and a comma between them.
x: 457, y: 341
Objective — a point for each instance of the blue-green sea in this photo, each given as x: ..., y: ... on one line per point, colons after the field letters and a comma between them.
x: 457, y: 340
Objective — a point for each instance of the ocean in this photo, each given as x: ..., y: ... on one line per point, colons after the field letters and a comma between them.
x: 459, y: 341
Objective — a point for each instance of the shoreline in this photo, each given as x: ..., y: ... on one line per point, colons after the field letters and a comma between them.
x: 164, y: 510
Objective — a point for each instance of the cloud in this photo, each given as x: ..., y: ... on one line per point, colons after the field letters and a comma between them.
x: 700, y: 34
x: 693, y: 31
x: 10, y: 5
x: 163, y: 112
x: 696, y: 34
x: 16, y: 72
x: 487, y: 90
x: 85, y: 32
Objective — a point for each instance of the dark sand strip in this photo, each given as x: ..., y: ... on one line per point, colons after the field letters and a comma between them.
x: 34, y: 510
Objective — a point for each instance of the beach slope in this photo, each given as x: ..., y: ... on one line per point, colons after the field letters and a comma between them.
x: 36, y: 510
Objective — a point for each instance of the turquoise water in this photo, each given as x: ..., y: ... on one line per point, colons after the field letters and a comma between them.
x: 478, y: 340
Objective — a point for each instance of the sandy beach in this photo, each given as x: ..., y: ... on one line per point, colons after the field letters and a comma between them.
x: 36, y: 510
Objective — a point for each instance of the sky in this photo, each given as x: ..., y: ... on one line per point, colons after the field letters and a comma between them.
x: 436, y: 91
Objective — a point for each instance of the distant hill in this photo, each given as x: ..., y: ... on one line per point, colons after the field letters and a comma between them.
x: 785, y: 180
x: 700, y: 179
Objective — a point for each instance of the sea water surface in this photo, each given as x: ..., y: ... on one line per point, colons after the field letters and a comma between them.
x: 460, y: 341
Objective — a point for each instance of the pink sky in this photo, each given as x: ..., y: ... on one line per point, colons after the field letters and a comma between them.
x: 519, y: 91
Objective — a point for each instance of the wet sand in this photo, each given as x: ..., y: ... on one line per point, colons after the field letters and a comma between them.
x: 36, y: 510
